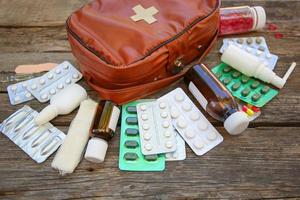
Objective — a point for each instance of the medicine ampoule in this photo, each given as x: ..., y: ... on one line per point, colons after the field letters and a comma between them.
x: 216, y: 99
x: 102, y: 132
x: 241, y: 19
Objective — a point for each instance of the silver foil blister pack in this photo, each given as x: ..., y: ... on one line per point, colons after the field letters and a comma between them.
x: 18, y: 92
x: 39, y: 142
x: 44, y: 87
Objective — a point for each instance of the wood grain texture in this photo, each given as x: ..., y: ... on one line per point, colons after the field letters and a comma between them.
x: 264, y: 162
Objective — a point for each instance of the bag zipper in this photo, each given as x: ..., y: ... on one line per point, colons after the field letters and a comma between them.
x: 76, y: 37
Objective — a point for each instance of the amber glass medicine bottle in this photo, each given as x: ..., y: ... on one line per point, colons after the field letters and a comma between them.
x: 216, y: 99
x: 104, y: 127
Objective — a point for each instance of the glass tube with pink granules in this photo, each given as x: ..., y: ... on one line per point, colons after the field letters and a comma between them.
x: 243, y: 19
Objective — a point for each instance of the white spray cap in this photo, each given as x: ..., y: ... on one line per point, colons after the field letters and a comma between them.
x: 236, y: 123
x: 96, y: 150
x: 63, y: 102
x: 261, y: 17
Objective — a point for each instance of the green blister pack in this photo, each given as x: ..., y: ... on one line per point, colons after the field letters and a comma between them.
x: 248, y: 89
x: 130, y: 156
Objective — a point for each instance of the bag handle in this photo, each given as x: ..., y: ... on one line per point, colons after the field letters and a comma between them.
x: 125, y: 95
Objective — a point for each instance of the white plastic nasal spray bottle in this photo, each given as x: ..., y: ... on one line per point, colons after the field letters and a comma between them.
x: 250, y: 65
x: 64, y: 102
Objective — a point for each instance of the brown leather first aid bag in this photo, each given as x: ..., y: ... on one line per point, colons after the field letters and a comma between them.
x: 128, y: 49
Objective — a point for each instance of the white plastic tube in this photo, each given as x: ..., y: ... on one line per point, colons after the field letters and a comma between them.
x: 62, y: 103
x: 250, y: 65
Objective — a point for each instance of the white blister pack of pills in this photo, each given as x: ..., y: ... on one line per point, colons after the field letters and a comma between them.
x: 180, y: 153
x: 156, y: 131
x: 257, y: 43
x: 44, y: 87
x: 39, y: 142
x: 18, y: 92
x: 192, y: 125
x: 270, y: 60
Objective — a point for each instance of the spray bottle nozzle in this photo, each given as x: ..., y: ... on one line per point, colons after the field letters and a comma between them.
x: 279, y: 82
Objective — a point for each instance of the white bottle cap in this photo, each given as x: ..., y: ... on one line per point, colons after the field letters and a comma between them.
x: 96, y: 150
x: 46, y: 115
x: 236, y: 123
x: 261, y: 17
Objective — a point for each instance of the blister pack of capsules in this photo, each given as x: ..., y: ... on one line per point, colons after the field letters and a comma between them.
x: 252, y: 111
x: 44, y: 87
x: 180, y: 153
x: 259, y: 50
x: 18, y: 92
x: 131, y: 157
x: 39, y: 142
x: 155, y: 126
x: 250, y: 90
x: 192, y: 125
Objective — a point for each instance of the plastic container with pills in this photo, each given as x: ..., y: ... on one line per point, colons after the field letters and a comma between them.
x: 102, y: 132
x: 216, y: 99
x: 243, y: 19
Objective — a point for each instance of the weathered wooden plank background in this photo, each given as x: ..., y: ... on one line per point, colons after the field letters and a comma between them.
x: 264, y: 162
